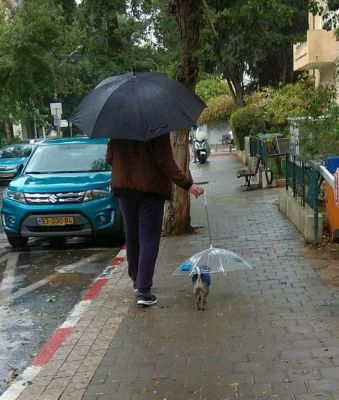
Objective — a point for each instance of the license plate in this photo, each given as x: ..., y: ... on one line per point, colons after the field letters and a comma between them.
x: 4, y: 175
x: 55, y: 221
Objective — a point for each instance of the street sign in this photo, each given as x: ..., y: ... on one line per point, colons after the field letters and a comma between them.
x: 336, y: 187
x: 63, y: 123
x: 56, y: 108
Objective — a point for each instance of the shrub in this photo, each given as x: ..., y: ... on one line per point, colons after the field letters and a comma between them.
x: 211, y: 87
x: 247, y: 121
x: 260, y: 99
x: 298, y: 100
x: 218, y: 109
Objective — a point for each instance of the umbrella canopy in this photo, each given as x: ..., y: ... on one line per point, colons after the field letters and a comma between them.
x: 139, y: 106
x: 212, y: 260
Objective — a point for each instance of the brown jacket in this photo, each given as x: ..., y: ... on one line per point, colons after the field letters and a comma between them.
x: 147, y: 168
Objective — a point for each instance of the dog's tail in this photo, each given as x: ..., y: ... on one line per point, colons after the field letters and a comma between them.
x: 201, y: 278
x: 196, y: 278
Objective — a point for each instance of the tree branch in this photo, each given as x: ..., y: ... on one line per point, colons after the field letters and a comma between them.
x: 209, y: 14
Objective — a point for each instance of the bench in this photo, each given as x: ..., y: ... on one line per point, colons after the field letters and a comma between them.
x: 227, y: 140
x: 249, y: 172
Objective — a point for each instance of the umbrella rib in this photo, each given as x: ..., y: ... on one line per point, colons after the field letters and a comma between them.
x: 197, y: 261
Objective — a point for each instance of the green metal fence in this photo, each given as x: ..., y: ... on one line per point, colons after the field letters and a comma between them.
x: 270, y: 154
x: 302, y: 177
x: 258, y: 146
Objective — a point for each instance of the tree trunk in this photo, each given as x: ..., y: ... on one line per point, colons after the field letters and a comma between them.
x: 237, y: 91
x: 113, y: 42
x: 177, y: 219
x: 9, y: 131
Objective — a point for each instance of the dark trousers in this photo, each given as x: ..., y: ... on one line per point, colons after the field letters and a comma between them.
x: 143, y: 223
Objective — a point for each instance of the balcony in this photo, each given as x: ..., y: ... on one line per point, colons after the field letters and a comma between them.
x: 320, y: 50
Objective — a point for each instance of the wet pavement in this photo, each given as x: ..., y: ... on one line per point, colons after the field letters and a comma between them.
x: 38, y: 288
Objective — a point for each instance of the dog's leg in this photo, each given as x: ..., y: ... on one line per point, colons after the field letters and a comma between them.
x: 204, y: 303
x: 199, y: 302
x: 198, y: 299
x: 196, y: 295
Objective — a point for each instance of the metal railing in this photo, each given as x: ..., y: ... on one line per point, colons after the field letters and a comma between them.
x: 302, y: 177
x: 259, y: 146
x: 272, y: 151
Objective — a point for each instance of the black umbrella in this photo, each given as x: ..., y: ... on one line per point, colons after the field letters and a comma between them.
x: 137, y: 106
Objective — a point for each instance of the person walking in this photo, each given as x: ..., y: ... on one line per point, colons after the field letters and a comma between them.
x: 142, y: 177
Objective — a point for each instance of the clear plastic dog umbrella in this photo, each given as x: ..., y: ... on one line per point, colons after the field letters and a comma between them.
x: 212, y: 260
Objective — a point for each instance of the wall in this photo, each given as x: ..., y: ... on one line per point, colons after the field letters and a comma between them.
x: 301, y: 217
x: 215, y: 132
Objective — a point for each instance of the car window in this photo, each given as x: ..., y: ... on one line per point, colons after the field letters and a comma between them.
x: 68, y: 157
x: 18, y: 151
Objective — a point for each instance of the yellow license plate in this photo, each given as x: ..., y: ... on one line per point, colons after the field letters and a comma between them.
x: 55, y: 221
x: 4, y: 175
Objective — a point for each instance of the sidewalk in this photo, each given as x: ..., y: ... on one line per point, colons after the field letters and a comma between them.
x: 270, y: 333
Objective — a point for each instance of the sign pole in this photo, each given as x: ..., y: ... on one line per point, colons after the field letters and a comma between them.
x: 56, y: 111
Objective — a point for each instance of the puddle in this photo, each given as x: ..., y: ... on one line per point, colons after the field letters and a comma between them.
x: 69, y: 279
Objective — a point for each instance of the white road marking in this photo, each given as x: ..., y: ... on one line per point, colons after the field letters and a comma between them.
x: 30, y: 288
x: 14, y: 391
x: 75, y: 315
x: 8, y: 280
x: 78, y: 264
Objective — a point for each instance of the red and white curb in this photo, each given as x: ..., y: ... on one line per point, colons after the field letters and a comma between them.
x: 59, y: 335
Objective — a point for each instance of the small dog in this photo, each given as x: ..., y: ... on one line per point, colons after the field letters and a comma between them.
x: 201, y: 282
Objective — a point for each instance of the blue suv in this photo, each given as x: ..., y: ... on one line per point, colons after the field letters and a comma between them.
x: 63, y: 191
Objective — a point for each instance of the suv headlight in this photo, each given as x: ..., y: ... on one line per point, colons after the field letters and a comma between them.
x: 97, y: 193
x: 14, y: 195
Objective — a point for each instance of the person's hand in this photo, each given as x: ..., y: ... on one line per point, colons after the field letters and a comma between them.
x: 196, y: 190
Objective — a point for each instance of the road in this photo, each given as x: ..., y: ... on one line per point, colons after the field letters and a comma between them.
x: 38, y: 287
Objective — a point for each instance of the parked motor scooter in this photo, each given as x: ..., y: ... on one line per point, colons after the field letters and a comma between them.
x: 201, y: 148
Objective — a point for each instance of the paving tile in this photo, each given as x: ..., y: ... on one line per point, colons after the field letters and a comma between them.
x: 303, y: 374
x: 290, y: 388
x: 324, y: 385
x: 332, y: 372
x: 317, y: 396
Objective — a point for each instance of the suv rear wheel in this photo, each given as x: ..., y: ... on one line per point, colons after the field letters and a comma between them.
x: 17, y: 241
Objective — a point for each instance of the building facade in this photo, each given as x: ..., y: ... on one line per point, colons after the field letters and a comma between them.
x: 320, y: 53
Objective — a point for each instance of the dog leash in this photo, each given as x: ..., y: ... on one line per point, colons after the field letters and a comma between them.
x: 206, y: 208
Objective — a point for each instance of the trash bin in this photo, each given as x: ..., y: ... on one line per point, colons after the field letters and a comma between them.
x: 332, y: 163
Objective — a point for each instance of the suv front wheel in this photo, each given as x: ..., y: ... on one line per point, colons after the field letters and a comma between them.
x: 17, y: 241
